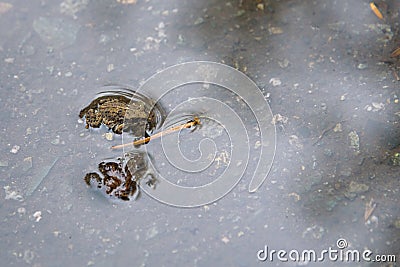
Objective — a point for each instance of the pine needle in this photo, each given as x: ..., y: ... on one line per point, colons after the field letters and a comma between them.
x: 189, y: 124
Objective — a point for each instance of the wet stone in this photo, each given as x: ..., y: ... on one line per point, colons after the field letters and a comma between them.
x: 354, y: 141
x: 354, y: 189
x: 358, y: 187
x: 395, y: 160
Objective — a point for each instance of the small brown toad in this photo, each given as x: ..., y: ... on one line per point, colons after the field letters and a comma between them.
x: 121, y: 111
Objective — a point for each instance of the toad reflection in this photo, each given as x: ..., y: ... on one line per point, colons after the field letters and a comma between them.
x: 120, y: 179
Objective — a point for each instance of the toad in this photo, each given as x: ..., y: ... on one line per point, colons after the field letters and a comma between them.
x: 120, y: 111
x: 121, y: 179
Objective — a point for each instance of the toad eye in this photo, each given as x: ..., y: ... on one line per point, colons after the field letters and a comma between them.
x: 140, y: 166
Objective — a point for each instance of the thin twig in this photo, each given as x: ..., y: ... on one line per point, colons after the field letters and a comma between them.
x: 369, y: 209
x: 194, y: 122
x: 325, y: 131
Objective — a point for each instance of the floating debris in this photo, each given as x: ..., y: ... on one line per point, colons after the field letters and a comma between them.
x: 9, y: 60
x: 127, y: 2
x: 275, y: 30
x: 222, y: 159
x: 374, y: 107
x: 278, y: 118
x: 10, y: 194
x: 21, y: 210
x: 109, y: 136
x: 396, y: 52
x: 362, y: 66
x: 369, y: 209
x: 295, y: 195
x: 37, y: 215
x: 225, y: 240
x: 110, y: 67
x: 192, y: 123
x: 275, y: 81
x: 15, y: 149
x: 295, y: 142
x: 377, y: 106
x: 338, y: 128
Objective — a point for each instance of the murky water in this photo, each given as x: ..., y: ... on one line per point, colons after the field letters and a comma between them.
x: 317, y: 63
